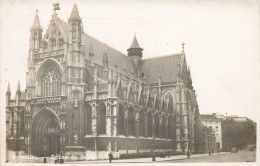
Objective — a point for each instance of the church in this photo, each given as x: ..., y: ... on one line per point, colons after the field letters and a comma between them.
x: 84, y: 97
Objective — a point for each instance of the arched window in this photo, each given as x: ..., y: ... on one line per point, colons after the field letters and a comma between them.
x: 163, y: 127
x: 141, y: 123
x: 170, y: 104
x: 53, y: 44
x: 35, y: 39
x: 121, y: 120
x: 88, y: 120
x: 51, y: 82
x: 170, y: 128
x: 120, y: 93
x: 74, y: 32
x: 44, y: 46
x: 150, y: 125
x: 60, y: 43
x: 102, y: 119
x: 157, y: 125
x: 131, y: 122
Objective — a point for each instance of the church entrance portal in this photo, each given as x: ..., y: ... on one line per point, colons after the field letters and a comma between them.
x: 45, y: 133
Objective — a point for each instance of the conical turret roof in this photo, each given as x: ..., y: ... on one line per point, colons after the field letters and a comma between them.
x: 36, y: 23
x: 135, y: 43
x: 74, y: 13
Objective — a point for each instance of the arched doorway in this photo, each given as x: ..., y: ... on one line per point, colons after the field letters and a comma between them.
x: 45, y: 133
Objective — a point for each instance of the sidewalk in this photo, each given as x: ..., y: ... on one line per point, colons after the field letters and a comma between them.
x: 135, y: 160
x: 145, y: 160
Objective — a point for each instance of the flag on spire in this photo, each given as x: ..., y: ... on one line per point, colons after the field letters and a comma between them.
x: 56, y: 6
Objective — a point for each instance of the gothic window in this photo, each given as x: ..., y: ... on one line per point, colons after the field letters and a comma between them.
x: 53, y: 44
x: 44, y: 46
x: 156, y: 125
x: 121, y: 120
x: 131, y: 122
x: 150, y: 125
x: 88, y: 120
x: 170, y: 103
x: 142, y: 124
x: 61, y: 43
x: 51, y: 82
x: 35, y: 36
x: 74, y: 32
x: 101, y: 119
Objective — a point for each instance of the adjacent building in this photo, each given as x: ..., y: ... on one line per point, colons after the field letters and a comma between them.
x: 215, y: 123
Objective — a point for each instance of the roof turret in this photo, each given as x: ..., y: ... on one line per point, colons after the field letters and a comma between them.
x: 36, y: 23
x: 74, y: 13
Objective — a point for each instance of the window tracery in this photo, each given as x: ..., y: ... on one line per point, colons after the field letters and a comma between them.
x: 51, y: 82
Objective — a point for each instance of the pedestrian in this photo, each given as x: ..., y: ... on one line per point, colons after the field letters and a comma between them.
x: 110, y: 157
x: 188, y: 154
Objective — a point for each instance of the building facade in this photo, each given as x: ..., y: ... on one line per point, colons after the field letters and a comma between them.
x: 84, y: 97
x: 215, y: 123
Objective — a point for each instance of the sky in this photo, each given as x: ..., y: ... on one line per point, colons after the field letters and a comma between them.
x: 221, y: 42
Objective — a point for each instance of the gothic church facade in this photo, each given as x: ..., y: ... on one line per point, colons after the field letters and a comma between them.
x: 83, y: 96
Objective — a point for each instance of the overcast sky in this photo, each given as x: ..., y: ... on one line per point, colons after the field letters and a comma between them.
x: 221, y: 42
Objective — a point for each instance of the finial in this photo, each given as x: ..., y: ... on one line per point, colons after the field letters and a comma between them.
x: 183, y: 44
x: 36, y: 11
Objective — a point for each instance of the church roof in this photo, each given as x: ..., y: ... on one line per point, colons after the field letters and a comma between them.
x: 114, y: 56
x: 74, y: 14
x: 207, y: 117
x: 36, y: 22
x: 165, y: 67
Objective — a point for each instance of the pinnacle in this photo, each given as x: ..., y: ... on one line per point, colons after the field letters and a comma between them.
x: 36, y: 23
x: 18, y: 88
x: 74, y: 14
x: 8, y: 89
x: 135, y: 43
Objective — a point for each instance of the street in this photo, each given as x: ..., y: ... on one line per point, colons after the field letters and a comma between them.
x: 241, y: 156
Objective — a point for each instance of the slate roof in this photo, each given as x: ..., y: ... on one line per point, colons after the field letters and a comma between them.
x: 206, y: 117
x: 135, y: 43
x: 165, y: 66
x: 114, y: 57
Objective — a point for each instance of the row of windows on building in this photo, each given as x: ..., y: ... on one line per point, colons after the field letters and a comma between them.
x: 149, y: 126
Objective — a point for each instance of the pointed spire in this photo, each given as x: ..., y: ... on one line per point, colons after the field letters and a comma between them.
x: 135, y: 43
x: 8, y: 92
x: 36, y: 23
x: 74, y: 14
x: 18, y: 91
